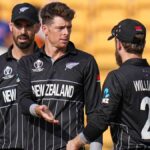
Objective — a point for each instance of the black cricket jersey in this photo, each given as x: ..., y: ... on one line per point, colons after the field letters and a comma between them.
x: 65, y: 86
x: 11, y: 119
x: 125, y: 106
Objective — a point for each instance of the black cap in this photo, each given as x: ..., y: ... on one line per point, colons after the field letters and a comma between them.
x: 126, y: 31
x: 25, y: 11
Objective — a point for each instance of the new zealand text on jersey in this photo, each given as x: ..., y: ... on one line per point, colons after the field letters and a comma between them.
x: 9, y: 95
x: 53, y: 90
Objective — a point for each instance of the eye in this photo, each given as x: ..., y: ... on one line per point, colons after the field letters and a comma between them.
x: 29, y: 25
x: 21, y: 25
x: 17, y: 25
x: 61, y: 27
x: 69, y: 27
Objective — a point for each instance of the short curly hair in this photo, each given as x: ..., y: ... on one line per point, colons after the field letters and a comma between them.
x: 49, y: 11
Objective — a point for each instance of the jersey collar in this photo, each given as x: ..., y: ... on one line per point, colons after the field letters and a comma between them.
x: 9, y: 53
x: 70, y: 49
x: 136, y: 62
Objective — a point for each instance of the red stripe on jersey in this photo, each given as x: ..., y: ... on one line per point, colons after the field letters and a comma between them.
x: 98, y: 78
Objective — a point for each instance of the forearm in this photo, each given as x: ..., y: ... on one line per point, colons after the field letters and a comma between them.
x: 25, y: 106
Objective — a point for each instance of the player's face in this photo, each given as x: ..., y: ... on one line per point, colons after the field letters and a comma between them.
x: 117, y: 55
x: 58, y: 32
x: 23, y: 33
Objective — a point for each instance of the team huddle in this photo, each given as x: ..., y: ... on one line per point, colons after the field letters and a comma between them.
x: 44, y: 91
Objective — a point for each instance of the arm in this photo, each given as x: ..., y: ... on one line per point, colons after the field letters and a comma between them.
x: 102, y: 116
x: 27, y: 99
x: 92, y: 93
x: 77, y: 142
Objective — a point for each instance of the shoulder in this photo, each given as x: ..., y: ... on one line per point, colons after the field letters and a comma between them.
x: 120, y: 77
x: 81, y: 54
x: 84, y: 54
x: 30, y: 57
x: 4, y: 57
x: 28, y: 61
x: 85, y: 58
x: 5, y: 61
x: 114, y: 75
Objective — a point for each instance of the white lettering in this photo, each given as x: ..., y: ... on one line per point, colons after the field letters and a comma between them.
x: 53, y: 90
x: 38, y: 90
x: 142, y: 85
x: 9, y: 95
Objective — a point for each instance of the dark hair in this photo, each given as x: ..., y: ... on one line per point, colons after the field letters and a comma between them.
x: 49, y: 11
x: 135, y: 48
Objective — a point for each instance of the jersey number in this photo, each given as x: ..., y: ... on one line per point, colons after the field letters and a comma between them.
x: 145, y: 133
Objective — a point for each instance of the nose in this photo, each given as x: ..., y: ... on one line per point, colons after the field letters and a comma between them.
x: 23, y: 30
x: 66, y: 31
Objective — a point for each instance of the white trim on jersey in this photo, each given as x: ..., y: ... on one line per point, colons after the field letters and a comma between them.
x: 38, y: 81
x: 5, y: 87
x: 66, y: 100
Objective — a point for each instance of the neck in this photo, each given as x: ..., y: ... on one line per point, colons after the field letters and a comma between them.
x: 128, y: 56
x: 17, y: 53
x: 54, y: 52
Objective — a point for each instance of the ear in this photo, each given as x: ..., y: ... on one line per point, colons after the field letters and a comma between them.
x: 10, y: 26
x: 119, y: 45
x: 45, y: 29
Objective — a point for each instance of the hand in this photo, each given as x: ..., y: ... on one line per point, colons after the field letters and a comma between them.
x: 44, y: 112
x: 75, y: 144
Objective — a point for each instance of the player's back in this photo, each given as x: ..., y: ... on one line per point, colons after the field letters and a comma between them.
x: 131, y: 126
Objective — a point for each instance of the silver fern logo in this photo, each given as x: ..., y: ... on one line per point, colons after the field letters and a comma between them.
x: 71, y: 65
x: 23, y: 9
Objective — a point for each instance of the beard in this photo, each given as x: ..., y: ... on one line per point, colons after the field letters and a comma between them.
x: 118, y: 58
x: 23, y: 45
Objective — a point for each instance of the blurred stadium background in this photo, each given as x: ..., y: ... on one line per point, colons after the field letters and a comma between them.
x: 92, y: 25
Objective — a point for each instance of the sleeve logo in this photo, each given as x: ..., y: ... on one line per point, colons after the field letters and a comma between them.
x: 106, y: 96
